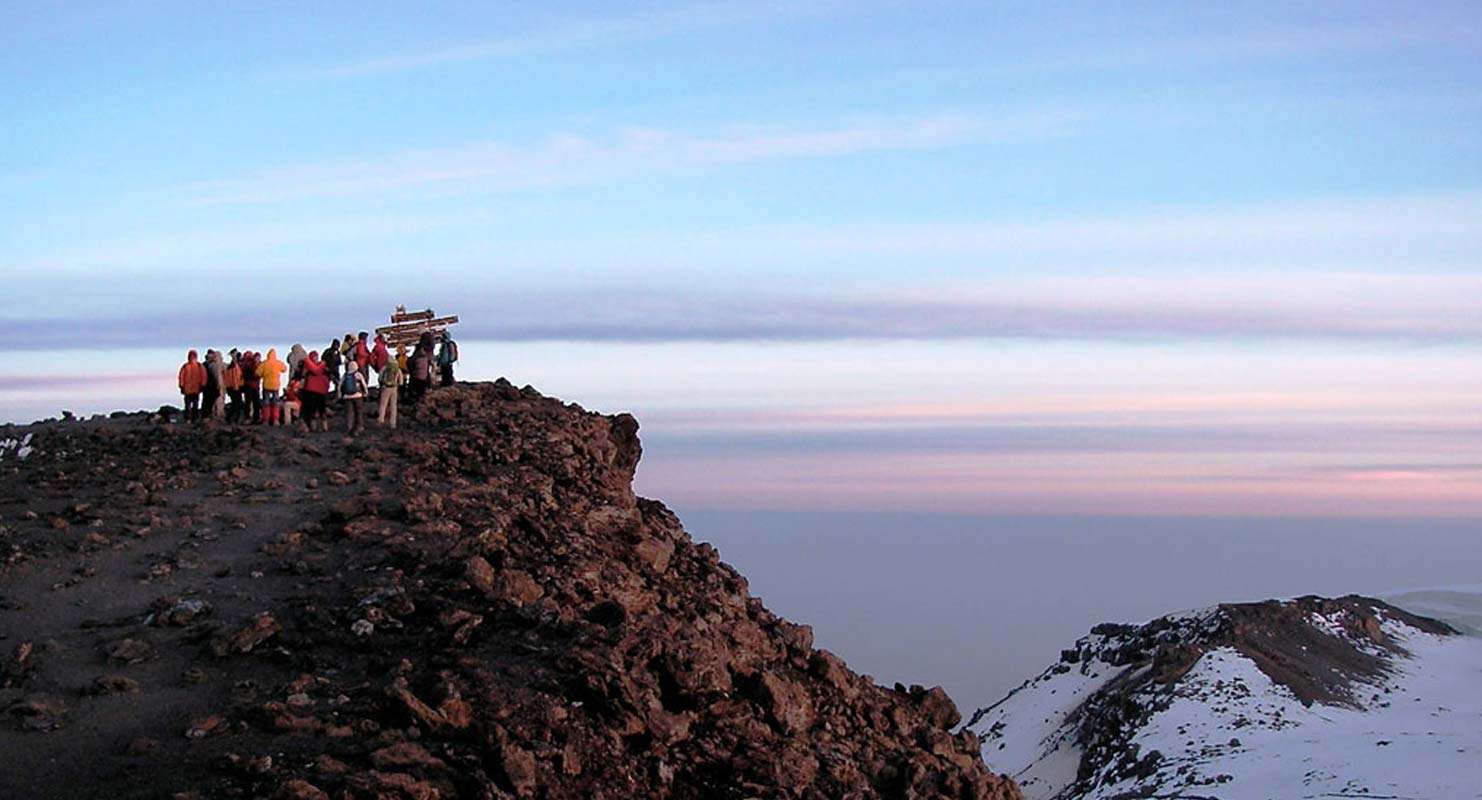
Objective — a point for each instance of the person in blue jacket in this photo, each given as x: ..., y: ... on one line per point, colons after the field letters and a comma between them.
x: 447, y: 356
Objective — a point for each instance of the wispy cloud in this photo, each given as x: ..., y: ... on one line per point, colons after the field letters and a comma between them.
x: 45, y: 381
x: 1429, y: 308
x: 1375, y: 227
x: 1032, y: 437
x: 1275, y: 42
x: 645, y: 25
x: 568, y: 159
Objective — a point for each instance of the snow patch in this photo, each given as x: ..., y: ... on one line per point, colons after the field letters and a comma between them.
x: 17, y: 448
x: 1224, y: 729
x: 1419, y: 735
x: 1031, y: 733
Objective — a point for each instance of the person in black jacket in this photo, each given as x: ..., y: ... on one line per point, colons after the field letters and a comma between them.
x: 331, y: 359
x: 420, y: 365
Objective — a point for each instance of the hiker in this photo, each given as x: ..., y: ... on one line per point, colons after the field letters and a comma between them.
x: 390, y: 380
x: 315, y: 392
x: 379, y: 355
x: 296, y: 356
x: 447, y: 355
x: 352, y: 391
x: 420, y: 368
x: 212, y: 400
x: 231, y: 381
x: 292, y: 401
x: 332, y: 361
x: 192, y: 380
x: 363, y: 356
x: 270, y: 372
x: 251, y: 387
x: 401, y: 361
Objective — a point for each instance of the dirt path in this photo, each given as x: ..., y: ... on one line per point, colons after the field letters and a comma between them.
x: 87, y: 716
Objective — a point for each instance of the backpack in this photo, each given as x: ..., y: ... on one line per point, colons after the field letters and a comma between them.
x: 350, y: 384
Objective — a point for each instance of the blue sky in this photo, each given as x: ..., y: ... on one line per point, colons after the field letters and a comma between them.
x: 1254, y: 213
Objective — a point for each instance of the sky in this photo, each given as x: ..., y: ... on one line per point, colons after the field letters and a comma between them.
x: 1162, y: 259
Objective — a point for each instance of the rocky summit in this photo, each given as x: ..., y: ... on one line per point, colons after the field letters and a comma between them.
x: 473, y: 606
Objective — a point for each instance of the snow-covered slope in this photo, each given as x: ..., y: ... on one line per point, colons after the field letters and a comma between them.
x: 1305, y: 698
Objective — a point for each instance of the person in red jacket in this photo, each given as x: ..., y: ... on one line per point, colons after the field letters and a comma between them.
x: 292, y: 404
x: 192, y: 379
x: 362, y: 355
x: 379, y: 355
x: 315, y: 392
x: 252, y: 386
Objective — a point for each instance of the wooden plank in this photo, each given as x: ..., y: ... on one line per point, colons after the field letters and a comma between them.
x: 407, y: 327
x: 411, y: 332
x: 440, y: 322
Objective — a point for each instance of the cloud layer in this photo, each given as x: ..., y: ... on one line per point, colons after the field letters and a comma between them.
x: 1421, y: 309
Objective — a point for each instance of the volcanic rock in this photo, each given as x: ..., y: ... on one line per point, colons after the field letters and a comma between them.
x: 475, y: 605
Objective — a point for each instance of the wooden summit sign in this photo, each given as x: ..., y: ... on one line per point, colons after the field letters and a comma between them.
x: 408, y: 326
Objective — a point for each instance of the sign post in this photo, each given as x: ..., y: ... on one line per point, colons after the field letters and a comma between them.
x: 408, y: 326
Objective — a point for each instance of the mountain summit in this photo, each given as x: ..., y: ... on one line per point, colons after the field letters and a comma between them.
x: 1313, y: 697
x: 473, y: 606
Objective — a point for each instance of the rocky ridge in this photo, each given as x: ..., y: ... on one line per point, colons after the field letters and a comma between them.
x: 1311, y: 697
x: 474, y: 606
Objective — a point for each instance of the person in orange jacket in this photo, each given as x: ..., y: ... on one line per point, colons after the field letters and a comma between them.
x: 192, y: 379
x: 270, y: 372
x: 231, y: 380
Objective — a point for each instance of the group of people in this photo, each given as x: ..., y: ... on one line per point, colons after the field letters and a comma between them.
x: 247, y: 387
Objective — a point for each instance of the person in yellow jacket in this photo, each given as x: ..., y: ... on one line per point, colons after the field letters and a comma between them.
x: 270, y: 371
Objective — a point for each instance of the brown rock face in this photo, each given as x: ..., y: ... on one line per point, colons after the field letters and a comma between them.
x: 474, y: 606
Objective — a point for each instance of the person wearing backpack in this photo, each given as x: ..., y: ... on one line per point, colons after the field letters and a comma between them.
x: 352, y: 391
x: 390, y: 380
x: 447, y: 356
x: 331, y: 359
x: 379, y: 355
